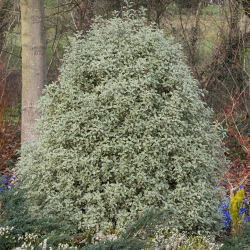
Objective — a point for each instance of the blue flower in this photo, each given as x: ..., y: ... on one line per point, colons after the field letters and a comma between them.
x: 240, y: 187
x: 4, y: 181
x: 7, y: 182
x: 223, y: 183
x: 9, y: 186
x: 227, y: 217
x: 245, y: 202
x: 224, y: 209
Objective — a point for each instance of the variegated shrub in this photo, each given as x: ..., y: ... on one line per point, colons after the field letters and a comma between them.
x: 124, y: 130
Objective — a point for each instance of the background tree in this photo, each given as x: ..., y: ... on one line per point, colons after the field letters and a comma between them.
x: 4, y: 5
x: 33, y: 63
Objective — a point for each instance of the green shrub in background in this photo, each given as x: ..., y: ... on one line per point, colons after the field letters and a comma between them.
x: 18, y: 226
x: 144, y: 234
x: 238, y: 243
x: 125, y: 130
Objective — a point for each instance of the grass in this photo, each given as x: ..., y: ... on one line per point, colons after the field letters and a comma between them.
x: 211, y: 10
x: 213, y: 27
x: 208, y: 39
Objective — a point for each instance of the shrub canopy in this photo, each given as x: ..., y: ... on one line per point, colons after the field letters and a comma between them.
x: 125, y: 130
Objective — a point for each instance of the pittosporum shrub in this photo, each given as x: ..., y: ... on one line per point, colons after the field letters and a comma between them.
x: 125, y: 130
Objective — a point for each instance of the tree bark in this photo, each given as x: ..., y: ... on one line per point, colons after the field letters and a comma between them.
x: 33, y: 64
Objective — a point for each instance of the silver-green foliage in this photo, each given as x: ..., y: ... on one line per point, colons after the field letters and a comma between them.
x: 123, y: 131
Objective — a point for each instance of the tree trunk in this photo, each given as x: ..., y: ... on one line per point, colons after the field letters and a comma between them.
x: 33, y: 64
